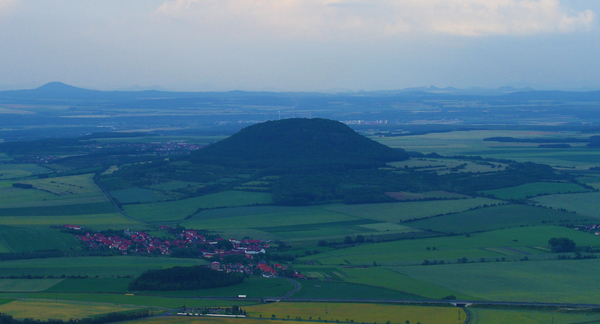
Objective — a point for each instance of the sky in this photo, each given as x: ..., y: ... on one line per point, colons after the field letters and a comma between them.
x: 300, y: 45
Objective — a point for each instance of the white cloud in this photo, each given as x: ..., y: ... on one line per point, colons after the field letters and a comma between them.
x: 379, y: 18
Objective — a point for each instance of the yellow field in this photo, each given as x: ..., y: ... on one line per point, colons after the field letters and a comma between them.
x: 367, y: 313
x: 500, y: 316
x: 205, y: 320
x: 45, y: 309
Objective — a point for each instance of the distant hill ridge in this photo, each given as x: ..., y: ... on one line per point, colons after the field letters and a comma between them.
x: 298, y: 142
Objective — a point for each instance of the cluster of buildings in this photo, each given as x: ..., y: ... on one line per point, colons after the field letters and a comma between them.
x: 141, y: 242
x: 159, y: 148
x: 594, y: 229
x: 37, y: 159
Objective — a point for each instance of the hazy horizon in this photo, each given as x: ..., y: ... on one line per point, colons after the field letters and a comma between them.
x: 293, y: 45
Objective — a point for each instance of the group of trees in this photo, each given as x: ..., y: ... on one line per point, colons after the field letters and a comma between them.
x: 184, y: 278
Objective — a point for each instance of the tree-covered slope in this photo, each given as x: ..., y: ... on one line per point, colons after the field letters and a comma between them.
x: 298, y: 142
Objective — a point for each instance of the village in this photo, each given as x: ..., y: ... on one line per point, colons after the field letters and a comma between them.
x: 231, y: 255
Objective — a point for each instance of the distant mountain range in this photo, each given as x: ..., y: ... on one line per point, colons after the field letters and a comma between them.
x: 61, y: 91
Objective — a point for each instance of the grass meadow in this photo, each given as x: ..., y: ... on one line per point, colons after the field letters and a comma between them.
x: 513, y: 242
x: 492, y: 218
x: 107, y: 267
x: 97, y: 222
x: 12, y: 171
x: 321, y: 289
x: 256, y: 287
x: 525, y: 316
x: 566, y: 281
x: 20, y: 239
x: 585, y: 204
x: 65, y: 310
x: 27, y: 285
x: 400, y: 211
x: 174, y: 211
x: 535, y: 189
x: 89, y: 285
x: 137, y: 195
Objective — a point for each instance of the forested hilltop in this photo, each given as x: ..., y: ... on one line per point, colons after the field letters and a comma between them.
x: 298, y: 142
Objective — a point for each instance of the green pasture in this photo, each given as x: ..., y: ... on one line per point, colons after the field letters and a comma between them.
x: 127, y: 299
x: 251, y: 287
x: 38, y: 198
x: 27, y: 285
x: 174, y: 211
x: 96, y: 222
x: 20, y: 239
x: 385, y: 278
x: 137, y: 195
x: 343, y: 290
x: 91, y: 285
x: 584, y: 204
x: 524, y: 316
x: 260, y: 216
x: 401, y: 211
x: 566, y: 281
x: 69, y: 190
x: 80, y: 185
x: 535, y: 189
x: 445, y: 166
x: 404, y: 195
x: 106, y: 267
x: 513, y: 242
x: 65, y: 210
x: 492, y: 218
x: 5, y: 157
x: 173, y: 185
x: 11, y: 171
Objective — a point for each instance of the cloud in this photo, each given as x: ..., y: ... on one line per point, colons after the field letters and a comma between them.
x: 379, y: 18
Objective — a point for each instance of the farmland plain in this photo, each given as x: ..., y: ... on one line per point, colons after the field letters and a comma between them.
x: 541, y: 281
x: 175, y: 211
x: 90, y: 266
x: 585, y: 204
x: 492, y: 218
x: 535, y: 189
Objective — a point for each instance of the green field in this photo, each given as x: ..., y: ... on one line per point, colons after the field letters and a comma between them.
x: 11, y: 171
x: 27, y: 285
x: 540, y: 281
x: 137, y: 195
x: 529, y: 190
x: 174, y: 211
x: 386, y: 278
x: 343, y: 290
x: 20, y: 239
x: 396, y: 212
x: 106, y: 267
x: 514, y: 242
x: 251, y: 287
x: 97, y: 222
x: 114, y: 285
x: 68, y: 190
x: 404, y: 195
x: 585, y: 204
x: 492, y: 218
x: 66, y: 210
x: 524, y: 316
